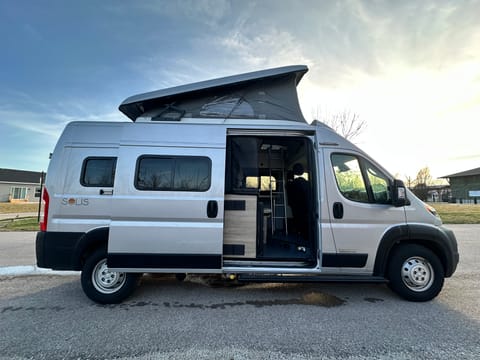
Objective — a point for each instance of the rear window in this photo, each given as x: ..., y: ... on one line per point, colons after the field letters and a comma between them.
x: 179, y: 173
x: 98, y: 171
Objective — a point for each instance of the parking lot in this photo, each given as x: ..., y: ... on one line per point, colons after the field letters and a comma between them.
x: 48, y: 317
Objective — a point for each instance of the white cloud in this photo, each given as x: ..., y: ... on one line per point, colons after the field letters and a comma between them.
x: 270, y: 48
x: 208, y: 12
x: 48, y: 124
x: 409, y: 68
x: 29, y: 134
x: 32, y: 116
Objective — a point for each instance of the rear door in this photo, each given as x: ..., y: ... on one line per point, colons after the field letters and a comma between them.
x: 167, y: 213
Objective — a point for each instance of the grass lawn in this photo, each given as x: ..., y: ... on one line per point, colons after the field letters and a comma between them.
x: 458, y: 213
x: 8, y: 208
x: 21, y: 224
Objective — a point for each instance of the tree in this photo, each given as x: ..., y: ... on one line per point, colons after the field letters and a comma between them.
x: 423, y: 176
x: 409, y: 180
x: 422, y: 181
x: 346, y: 123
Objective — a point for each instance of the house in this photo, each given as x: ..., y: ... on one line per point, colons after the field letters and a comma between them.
x: 465, y: 185
x: 439, y: 193
x: 20, y: 185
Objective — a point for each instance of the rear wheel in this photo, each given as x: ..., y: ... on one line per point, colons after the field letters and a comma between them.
x: 415, y: 273
x: 104, y: 286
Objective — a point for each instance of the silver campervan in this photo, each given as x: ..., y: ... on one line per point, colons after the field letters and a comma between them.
x: 226, y: 177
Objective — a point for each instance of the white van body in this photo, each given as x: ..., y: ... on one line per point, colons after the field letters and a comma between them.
x: 237, y: 193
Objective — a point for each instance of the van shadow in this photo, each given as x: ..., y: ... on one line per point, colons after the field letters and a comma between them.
x: 198, y: 292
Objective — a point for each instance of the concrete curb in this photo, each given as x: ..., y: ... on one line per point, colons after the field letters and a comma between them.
x: 32, y: 270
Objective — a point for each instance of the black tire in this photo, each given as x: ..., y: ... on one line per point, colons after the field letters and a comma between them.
x: 415, y: 273
x: 103, y: 286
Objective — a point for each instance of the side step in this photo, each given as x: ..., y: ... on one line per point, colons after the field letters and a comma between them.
x: 261, y: 278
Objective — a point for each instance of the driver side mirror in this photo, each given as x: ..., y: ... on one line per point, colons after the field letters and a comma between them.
x: 399, y: 193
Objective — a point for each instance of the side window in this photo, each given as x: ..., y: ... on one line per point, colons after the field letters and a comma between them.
x: 359, y: 180
x: 192, y: 174
x: 161, y: 173
x: 98, y: 171
x: 349, y: 177
x: 266, y: 183
x: 154, y: 174
x: 379, y: 184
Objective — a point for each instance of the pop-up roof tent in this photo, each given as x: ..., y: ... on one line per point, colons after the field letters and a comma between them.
x: 266, y: 94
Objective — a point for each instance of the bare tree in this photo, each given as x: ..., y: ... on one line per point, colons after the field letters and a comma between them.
x: 422, y: 181
x: 423, y: 176
x: 346, y: 123
x: 410, y: 181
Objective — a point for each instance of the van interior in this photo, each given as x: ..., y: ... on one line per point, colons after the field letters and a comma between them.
x: 269, y: 201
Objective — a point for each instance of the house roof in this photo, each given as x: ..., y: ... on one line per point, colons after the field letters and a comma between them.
x: 472, y: 172
x: 20, y: 176
x: 265, y: 94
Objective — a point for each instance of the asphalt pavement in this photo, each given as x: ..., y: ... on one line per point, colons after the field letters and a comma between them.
x: 17, y: 248
x: 48, y: 317
x: 17, y: 255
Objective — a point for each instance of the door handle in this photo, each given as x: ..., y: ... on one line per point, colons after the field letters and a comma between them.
x: 212, y: 209
x: 338, y: 210
x: 106, y: 192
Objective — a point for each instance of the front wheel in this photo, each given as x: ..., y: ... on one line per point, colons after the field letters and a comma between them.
x: 104, y: 286
x: 415, y: 273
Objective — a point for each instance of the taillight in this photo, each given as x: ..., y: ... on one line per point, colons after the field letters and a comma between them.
x: 45, y: 204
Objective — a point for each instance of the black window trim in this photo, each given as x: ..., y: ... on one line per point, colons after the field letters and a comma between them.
x: 174, y: 157
x: 84, y: 168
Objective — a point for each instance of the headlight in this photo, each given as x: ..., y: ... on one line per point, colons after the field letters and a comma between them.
x: 432, y: 210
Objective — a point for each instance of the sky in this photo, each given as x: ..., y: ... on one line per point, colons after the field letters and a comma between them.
x: 409, y: 69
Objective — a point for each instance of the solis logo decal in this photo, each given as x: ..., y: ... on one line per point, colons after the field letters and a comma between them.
x: 75, y: 201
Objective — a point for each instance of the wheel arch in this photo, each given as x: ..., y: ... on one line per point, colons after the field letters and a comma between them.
x: 88, y: 243
x: 438, y: 239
